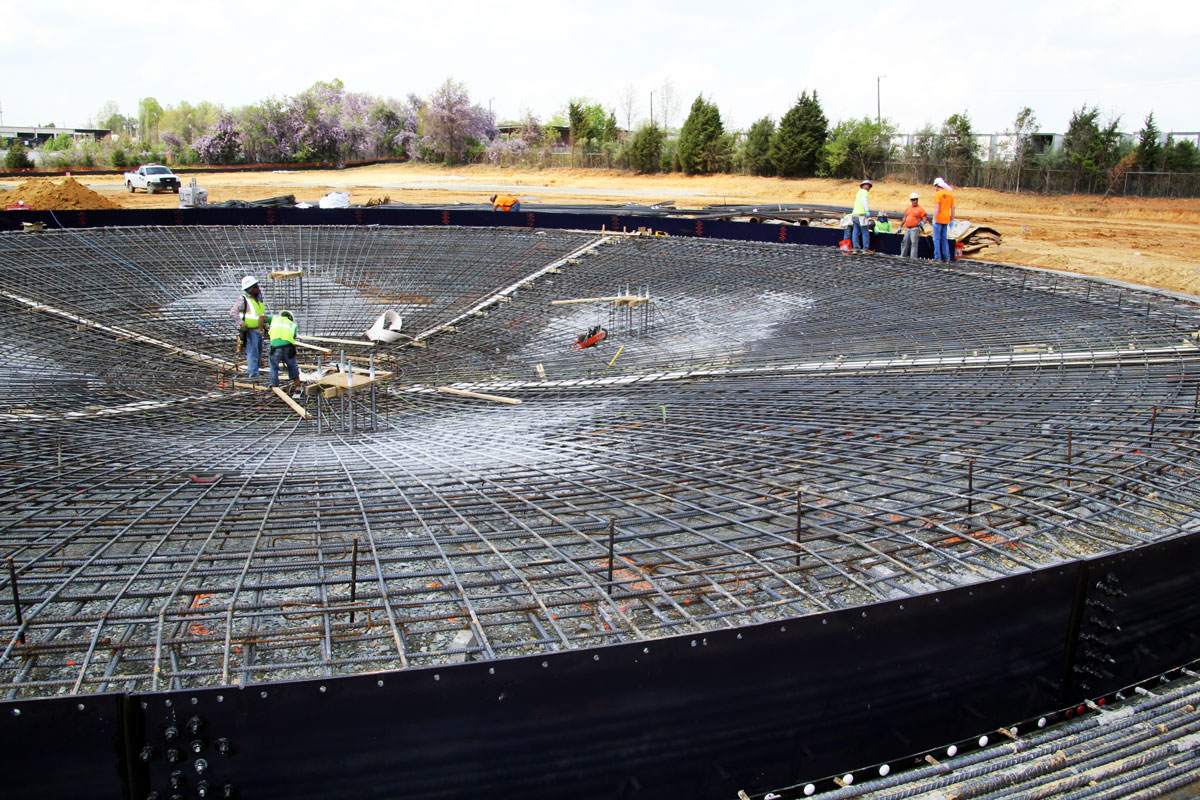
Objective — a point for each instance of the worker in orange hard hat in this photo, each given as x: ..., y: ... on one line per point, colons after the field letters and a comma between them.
x: 504, y: 202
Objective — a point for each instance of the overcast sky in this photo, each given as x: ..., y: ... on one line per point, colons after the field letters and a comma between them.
x: 66, y: 58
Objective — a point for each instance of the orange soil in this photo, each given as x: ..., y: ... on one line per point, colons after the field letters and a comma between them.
x: 67, y: 194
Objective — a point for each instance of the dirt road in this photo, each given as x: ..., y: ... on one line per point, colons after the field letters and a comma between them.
x: 1152, y: 242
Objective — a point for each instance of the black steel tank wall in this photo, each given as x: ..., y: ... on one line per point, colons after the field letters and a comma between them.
x: 697, y: 716
x: 716, y: 229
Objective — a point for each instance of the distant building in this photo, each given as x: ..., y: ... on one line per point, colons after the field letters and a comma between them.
x: 34, y: 135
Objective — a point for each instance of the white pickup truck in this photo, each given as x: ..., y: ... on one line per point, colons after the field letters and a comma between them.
x: 153, y: 178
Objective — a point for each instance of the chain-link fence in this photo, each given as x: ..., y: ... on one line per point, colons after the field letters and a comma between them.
x: 1009, y: 177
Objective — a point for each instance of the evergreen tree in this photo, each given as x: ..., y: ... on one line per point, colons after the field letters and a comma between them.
x: 757, y: 154
x: 703, y: 144
x: 17, y: 156
x: 798, y: 147
x: 1089, y: 148
x: 645, y: 151
x: 959, y: 144
x: 1149, y: 151
x: 1181, y: 156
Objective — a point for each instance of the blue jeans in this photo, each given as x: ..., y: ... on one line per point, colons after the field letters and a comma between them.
x: 287, y: 356
x: 941, y: 244
x: 861, y: 238
x: 253, y: 351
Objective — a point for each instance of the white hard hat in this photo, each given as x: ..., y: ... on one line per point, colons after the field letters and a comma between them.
x: 865, y: 182
x: 914, y: 196
x: 941, y: 183
x: 248, y: 281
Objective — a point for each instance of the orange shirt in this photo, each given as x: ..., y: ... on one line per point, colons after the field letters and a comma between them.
x: 913, y: 216
x: 504, y: 202
x: 945, y: 206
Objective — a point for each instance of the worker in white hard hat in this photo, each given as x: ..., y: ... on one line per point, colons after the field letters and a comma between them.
x: 249, y: 312
x: 860, y: 238
x: 943, y: 215
x: 910, y: 228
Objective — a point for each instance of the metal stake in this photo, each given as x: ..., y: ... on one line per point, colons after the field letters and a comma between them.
x: 353, y: 578
x: 12, y: 580
x: 612, y: 526
x: 1153, y: 419
x: 1070, y: 450
x: 799, y: 521
x: 970, y: 487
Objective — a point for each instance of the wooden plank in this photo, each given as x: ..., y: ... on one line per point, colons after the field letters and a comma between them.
x: 299, y: 409
x: 285, y: 274
x: 479, y: 395
x: 358, y: 342
x: 256, y: 387
x: 617, y: 298
x: 340, y: 380
x: 324, y: 350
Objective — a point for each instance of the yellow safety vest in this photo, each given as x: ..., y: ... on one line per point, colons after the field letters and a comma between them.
x: 283, y: 331
x: 254, y: 309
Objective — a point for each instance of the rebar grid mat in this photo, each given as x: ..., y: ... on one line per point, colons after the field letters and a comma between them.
x: 789, y: 430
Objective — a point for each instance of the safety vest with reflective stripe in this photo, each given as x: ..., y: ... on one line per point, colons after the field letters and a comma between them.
x: 283, y: 331
x: 254, y: 309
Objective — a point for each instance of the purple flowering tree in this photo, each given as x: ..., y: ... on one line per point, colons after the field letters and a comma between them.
x: 451, y: 128
x: 222, y: 143
x: 521, y: 146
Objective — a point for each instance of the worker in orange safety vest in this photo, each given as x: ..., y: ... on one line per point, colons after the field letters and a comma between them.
x: 504, y: 202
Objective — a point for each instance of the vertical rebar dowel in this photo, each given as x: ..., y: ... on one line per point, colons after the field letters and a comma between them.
x: 353, y: 577
x: 1153, y: 419
x: 612, y: 529
x: 1196, y: 402
x: 799, y: 522
x: 1070, y: 451
x: 12, y: 580
x: 970, y: 487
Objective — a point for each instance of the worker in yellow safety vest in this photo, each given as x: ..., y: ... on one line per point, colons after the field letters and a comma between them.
x: 248, y: 312
x: 282, y: 331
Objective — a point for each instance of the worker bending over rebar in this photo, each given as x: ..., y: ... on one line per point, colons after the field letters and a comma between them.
x: 282, y: 331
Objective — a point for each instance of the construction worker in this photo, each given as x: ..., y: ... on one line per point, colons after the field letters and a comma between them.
x: 860, y: 240
x: 914, y: 218
x: 248, y: 312
x: 504, y: 202
x: 883, y: 224
x: 943, y: 215
x: 282, y: 330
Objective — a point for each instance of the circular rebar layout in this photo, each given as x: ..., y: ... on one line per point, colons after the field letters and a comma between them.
x: 767, y: 431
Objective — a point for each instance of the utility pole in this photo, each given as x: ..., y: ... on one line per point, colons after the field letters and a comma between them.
x: 878, y: 117
x: 651, y: 107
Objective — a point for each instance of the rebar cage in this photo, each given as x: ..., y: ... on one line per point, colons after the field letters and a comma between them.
x: 773, y: 431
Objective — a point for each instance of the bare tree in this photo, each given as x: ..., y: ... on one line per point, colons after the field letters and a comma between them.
x: 628, y: 105
x: 668, y: 103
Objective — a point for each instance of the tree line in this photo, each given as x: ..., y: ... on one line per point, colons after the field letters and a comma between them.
x: 331, y: 124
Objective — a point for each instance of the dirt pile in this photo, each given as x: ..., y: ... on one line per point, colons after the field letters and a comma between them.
x: 65, y: 195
